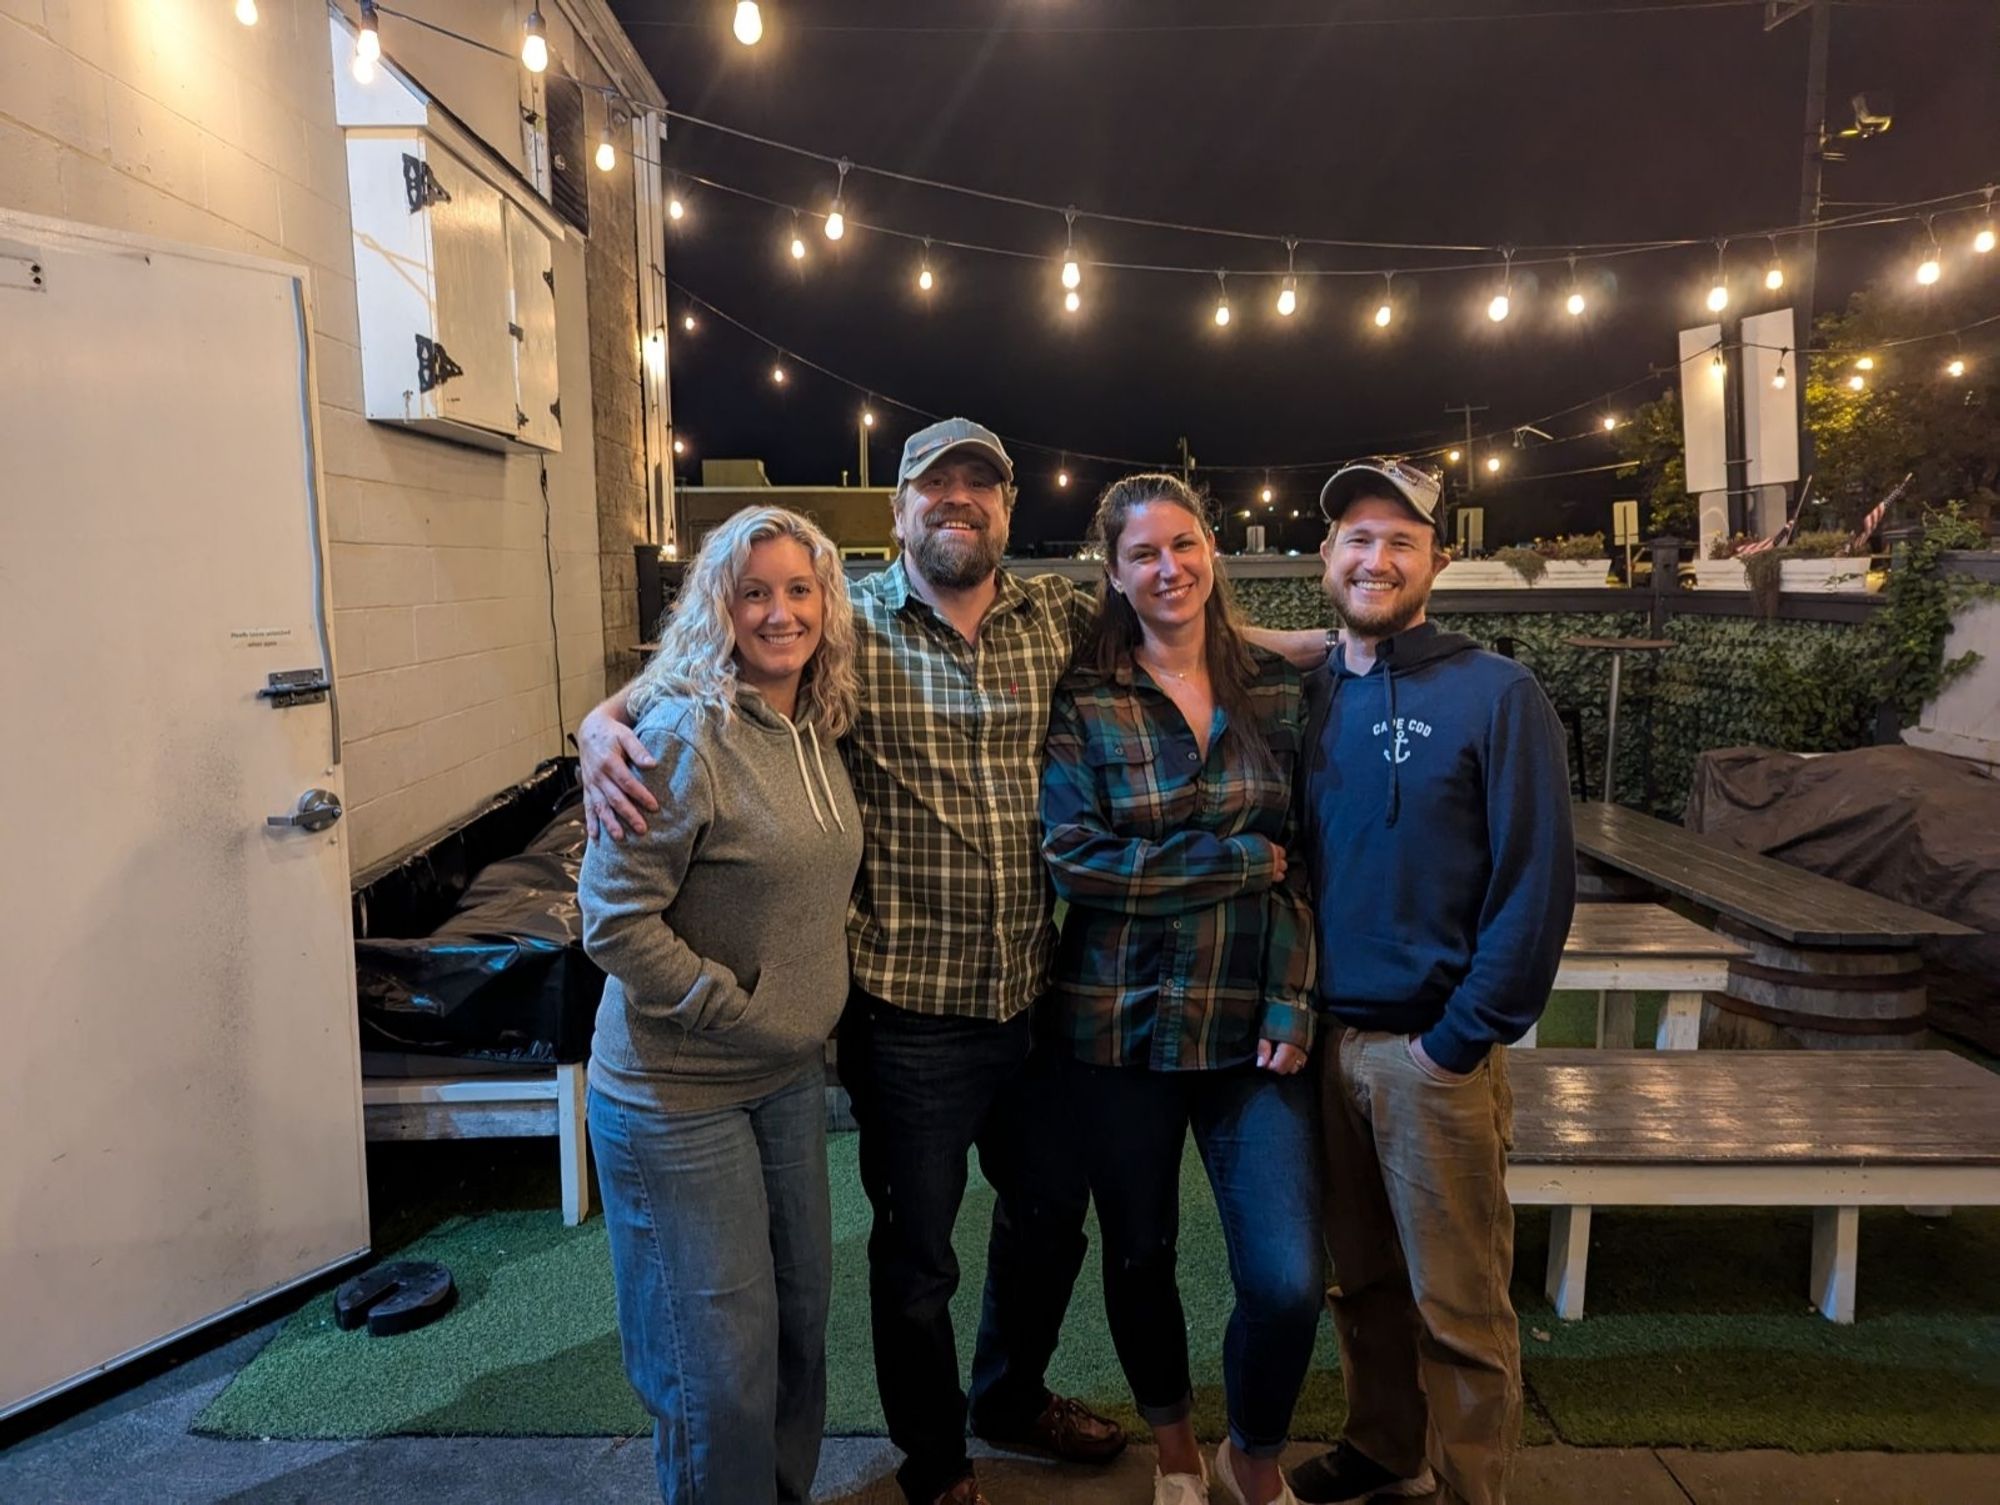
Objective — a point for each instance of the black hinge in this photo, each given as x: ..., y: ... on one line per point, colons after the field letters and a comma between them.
x: 420, y: 184
x: 288, y: 687
x: 555, y: 411
x: 520, y: 419
x: 434, y: 366
x: 516, y: 330
x: 549, y: 276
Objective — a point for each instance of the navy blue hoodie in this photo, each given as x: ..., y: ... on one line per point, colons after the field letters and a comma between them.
x: 1435, y: 797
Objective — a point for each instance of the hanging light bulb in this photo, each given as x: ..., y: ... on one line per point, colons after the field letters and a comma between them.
x: 1502, y: 302
x: 1221, y: 300
x: 1865, y: 363
x: 1856, y: 382
x: 1718, y: 365
x: 656, y: 351
x: 1072, y: 273
x: 1610, y: 422
x: 1493, y: 463
x: 1288, y: 290
x: 1774, y: 274
x: 535, y: 42
x: 1383, y: 314
x: 836, y: 222
x: 1062, y: 477
x: 1983, y: 241
x: 363, y: 68
x: 680, y: 446
x: 687, y: 322
x: 675, y: 208
x: 1454, y: 457
x: 1575, y: 303
x: 749, y: 23
x: 777, y: 375
x: 925, y: 281
x: 1386, y: 309
x: 1265, y: 496
x: 798, y: 247
x: 1778, y: 376
x: 246, y: 12
x: 1955, y: 367
x: 1929, y: 269
x: 607, y: 154
x: 868, y: 418
x: 367, y: 38
x: 1071, y: 302
x: 1718, y: 292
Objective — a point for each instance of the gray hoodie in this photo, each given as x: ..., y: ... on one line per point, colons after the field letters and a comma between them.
x: 723, y: 930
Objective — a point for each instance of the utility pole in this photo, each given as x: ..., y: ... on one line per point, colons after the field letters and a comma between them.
x: 1812, y: 203
x: 861, y: 429
x: 1187, y: 460
x: 1470, y: 470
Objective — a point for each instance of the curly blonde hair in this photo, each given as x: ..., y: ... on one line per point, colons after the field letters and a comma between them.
x: 697, y: 653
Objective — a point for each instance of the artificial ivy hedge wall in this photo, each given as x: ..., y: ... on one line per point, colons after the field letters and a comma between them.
x: 1727, y: 682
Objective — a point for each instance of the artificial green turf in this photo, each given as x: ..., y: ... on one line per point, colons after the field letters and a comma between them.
x: 1699, y: 1331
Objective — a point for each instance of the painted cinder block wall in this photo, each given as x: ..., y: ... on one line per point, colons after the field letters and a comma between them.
x: 169, y: 118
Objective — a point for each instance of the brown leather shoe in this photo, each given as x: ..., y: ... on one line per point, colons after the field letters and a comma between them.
x: 964, y: 1492
x: 1066, y: 1429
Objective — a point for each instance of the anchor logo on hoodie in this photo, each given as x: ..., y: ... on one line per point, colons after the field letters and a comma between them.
x: 1398, y: 750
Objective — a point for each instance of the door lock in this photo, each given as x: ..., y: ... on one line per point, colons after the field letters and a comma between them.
x: 318, y: 809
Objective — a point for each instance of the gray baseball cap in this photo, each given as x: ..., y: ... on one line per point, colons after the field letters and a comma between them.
x: 927, y: 445
x: 1419, y: 490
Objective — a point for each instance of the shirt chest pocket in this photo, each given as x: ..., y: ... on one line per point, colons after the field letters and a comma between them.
x: 1138, y: 790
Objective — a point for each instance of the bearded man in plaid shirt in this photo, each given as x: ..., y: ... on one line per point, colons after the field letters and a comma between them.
x: 951, y: 938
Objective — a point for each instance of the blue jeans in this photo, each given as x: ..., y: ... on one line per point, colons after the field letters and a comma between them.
x: 928, y: 1090
x: 1259, y: 1140
x: 722, y: 1250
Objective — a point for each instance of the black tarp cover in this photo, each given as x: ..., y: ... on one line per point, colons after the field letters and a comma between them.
x: 471, y: 946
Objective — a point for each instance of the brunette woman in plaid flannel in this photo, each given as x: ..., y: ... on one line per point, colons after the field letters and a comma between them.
x: 1184, y: 977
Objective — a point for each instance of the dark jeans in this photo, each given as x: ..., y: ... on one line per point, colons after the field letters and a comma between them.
x: 926, y: 1091
x: 1259, y: 1140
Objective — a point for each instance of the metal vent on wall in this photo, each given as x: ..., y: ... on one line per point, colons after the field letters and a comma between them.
x: 569, y: 150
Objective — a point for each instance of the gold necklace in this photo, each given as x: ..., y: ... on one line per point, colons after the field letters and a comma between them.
x: 1152, y: 668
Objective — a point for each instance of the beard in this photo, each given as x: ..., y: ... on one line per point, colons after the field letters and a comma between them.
x: 955, y: 560
x: 1378, y: 619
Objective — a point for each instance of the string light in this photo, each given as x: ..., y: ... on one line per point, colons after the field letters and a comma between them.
x: 1778, y: 376
x: 656, y: 351
x: 1072, y: 274
x: 1856, y: 382
x: 687, y: 322
x: 749, y: 23
x: 680, y: 446
x: 1610, y: 422
x: 1718, y: 295
x: 1386, y: 309
x: 1503, y: 302
x: 1955, y: 367
x: 1718, y: 365
x: 676, y: 210
x: 1575, y: 302
x: 925, y: 281
x: 246, y: 12
x: 1062, y: 472
x: 1865, y: 363
x: 1493, y: 463
x: 1932, y: 266
x: 1288, y: 290
x: 868, y: 418
x: 1774, y: 274
x: 367, y: 40
x: 1454, y: 457
x: 1071, y: 302
x: 777, y: 376
x: 836, y: 222
x: 607, y: 154
x: 798, y: 241
x: 535, y: 42
x: 1221, y: 300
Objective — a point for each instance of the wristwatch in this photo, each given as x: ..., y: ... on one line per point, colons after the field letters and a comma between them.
x: 1332, y: 642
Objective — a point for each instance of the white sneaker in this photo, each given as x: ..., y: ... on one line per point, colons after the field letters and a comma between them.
x: 1181, y: 1489
x: 1227, y: 1474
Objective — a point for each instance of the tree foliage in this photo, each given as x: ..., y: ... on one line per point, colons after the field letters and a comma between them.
x: 1651, y: 440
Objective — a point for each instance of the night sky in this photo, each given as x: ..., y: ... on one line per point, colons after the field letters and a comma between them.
x: 1600, y: 127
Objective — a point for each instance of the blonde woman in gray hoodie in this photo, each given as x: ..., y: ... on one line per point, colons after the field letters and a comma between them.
x: 722, y: 932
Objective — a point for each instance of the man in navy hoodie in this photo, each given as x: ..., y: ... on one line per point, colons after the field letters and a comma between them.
x: 1436, y: 814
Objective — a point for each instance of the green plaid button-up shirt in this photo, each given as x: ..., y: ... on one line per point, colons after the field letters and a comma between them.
x: 1179, y: 952
x: 951, y: 912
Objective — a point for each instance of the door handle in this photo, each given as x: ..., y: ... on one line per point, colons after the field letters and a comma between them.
x: 318, y: 809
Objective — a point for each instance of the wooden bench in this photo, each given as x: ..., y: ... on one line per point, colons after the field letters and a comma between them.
x: 1615, y: 950
x: 1827, y: 963
x: 516, y: 1105
x: 1835, y: 1131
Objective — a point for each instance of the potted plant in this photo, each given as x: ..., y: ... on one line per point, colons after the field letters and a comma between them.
x: 1721, y: 570
x: 1822, y: 561
x: 1575, y: 560
x: 1495, y: 572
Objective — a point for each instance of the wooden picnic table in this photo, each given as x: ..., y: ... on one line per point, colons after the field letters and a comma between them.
x: 1614, y: 950
x: 1831, y: 1130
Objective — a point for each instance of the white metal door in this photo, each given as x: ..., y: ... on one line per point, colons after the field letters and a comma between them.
x: 180, y: 1104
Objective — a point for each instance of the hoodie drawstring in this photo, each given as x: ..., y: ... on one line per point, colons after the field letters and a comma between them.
x: 1395, y: 743
x: 805, y: 776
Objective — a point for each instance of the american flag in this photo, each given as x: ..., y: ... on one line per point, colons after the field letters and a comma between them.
x: 1874, y: 518
x: 1785, y: 530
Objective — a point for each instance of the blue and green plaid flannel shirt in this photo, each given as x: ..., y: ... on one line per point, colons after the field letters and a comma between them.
x: 1178, y: 952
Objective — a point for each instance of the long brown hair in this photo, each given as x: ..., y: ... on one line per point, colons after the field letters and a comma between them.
x: 1115, y: 632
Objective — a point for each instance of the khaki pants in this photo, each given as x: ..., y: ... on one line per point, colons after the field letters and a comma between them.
x: 1422, y: 1240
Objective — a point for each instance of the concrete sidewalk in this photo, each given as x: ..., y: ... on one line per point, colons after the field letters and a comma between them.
x: 135, y: 1445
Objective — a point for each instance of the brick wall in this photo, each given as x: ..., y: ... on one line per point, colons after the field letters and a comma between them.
x: 168, y: 118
